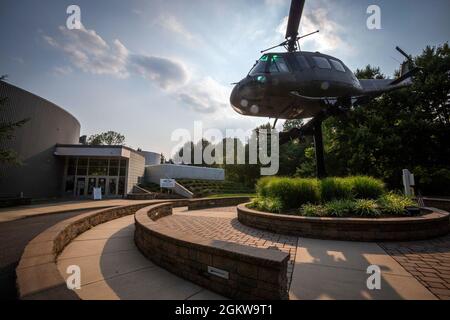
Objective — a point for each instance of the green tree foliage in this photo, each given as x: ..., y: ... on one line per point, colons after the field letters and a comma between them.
x: 409, y: 128
x: 7, y: 155
x: 109, y: 138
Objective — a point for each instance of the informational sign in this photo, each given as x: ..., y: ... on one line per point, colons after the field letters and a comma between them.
x: 408, y: 182
x: 167, y: 183
x: 97, y: 193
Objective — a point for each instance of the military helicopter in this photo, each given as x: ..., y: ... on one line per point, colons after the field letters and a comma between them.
x: 299, y: 85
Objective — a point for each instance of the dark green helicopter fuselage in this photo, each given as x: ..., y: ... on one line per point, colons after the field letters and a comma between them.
x: 294, y: 85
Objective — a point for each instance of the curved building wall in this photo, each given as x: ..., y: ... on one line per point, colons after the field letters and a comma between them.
x: 41, y: 173
x: 151, y: 158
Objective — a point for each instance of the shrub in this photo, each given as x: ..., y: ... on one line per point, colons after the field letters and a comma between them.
x: 395, y: 204
x: 313, y: 210
x: 272, y: 205
x: 366, y: 187
x: 340, y: 208
x: 335, y: 189
x: 261, y: 186
x: 293, y: 192
x: 367, y: 208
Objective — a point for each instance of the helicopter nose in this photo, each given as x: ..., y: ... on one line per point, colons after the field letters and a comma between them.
x: 235, y: 98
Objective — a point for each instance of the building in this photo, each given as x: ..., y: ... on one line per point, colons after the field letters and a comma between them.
x: 55, y: 164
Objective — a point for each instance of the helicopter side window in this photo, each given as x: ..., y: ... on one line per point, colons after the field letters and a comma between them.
x: 302, y: 62
x: 322, y: 63
x: 278, y: 64
x: 337, y: 65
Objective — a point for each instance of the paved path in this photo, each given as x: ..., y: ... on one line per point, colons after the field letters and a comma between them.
x: 113, y: 268
x: 10, y: 214
x: 14, y: 236
x: 428, y: 261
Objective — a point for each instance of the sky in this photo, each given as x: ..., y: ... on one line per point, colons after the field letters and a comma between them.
x: 145, y: 68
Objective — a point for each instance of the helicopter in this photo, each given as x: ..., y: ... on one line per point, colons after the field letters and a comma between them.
x: 300, y: 85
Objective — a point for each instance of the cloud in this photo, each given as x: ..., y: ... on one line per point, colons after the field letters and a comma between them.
x: 62, y: 71
x: 91, y: 53
x: 275, y: 2
x: 173, y: 24
x: 204, y: 96
x: 313, y: 19
x: 165, y: 72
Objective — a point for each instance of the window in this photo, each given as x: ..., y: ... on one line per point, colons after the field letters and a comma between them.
x: 98, y: 167
x: 260, y: 66
x: 278, y: 64
x: 82, y: 167
x: 123, y: 168
x: 302, y: 62
x: 114, y: 168
x: 337, y: 65
x: 322, y: 63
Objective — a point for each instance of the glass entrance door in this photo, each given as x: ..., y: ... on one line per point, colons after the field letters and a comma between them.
x: 96, y: 182
x: 81, y: 187
x: 92, y: 183
x: 101, y: 183
x: 112, y: 186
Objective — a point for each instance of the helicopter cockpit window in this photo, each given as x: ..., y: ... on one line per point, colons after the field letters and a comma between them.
x: 260, y: 66
x: 278, y: 64
x: 337, y: 65
x: 322, y: 63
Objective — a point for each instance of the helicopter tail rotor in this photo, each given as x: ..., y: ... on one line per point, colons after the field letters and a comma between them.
x: 408, y: 68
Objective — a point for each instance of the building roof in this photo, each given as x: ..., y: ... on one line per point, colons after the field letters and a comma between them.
x: 81, y: 150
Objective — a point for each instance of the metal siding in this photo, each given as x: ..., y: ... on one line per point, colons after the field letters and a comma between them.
x: 40, y: 175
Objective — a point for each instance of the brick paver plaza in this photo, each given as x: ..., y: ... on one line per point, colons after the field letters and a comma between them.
x: 428, y: 261
x: 206, y: 224
x: 113, y: 267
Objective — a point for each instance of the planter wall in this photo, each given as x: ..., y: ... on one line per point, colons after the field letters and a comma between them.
x: 433, y: 224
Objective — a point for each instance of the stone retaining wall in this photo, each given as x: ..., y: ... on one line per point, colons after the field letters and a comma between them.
x: 216, y: 202
x: 252, y: 273
x: 443, y: 204
x: 434, y: 224
x: 37, y: 274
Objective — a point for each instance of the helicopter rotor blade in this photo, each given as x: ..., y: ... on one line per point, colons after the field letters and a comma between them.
x: 295, y: 15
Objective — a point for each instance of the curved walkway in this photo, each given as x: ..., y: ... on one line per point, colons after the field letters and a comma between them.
x: 113, y: 268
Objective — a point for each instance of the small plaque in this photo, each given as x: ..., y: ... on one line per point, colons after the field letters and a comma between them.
x: 219, y: 272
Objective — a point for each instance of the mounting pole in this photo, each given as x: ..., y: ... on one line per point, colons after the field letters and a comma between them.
x: 318, y: 144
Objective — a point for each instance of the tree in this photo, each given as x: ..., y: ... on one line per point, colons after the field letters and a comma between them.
x: 109, y: 138
x: 7, y: 155
x: 409, y: 128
